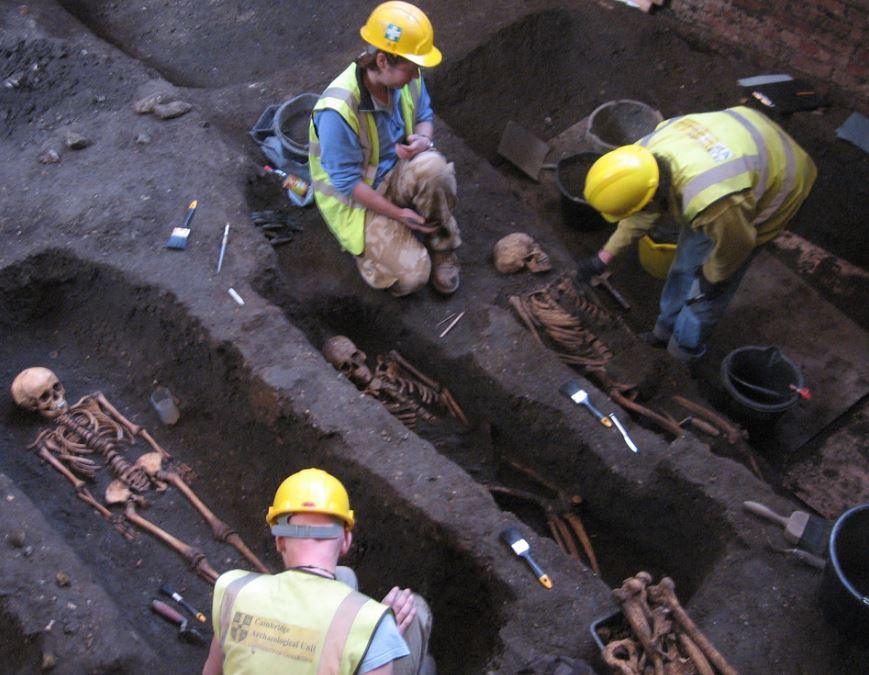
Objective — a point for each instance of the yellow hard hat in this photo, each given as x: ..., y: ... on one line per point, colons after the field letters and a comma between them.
x: 311, y: 491
x: 621, y: 182
x: 402, y: 29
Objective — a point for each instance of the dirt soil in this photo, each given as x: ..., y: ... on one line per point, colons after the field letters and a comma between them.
x: 89, y: 290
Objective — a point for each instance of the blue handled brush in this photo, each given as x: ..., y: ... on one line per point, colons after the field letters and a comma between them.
x: 514, y: 539
x: 178, y: 238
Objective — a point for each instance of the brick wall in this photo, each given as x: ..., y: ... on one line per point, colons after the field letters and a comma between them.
x: 828, y: 40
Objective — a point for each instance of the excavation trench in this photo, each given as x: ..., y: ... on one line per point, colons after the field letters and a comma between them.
x: 99, y: 331
x: 624, y: 517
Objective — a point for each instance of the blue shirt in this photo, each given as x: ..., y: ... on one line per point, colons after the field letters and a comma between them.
x: 386, y: 645
x: 340, y: 150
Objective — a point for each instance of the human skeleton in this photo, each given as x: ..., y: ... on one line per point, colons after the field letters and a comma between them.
x: 398, y: 385
x: 94, y: 427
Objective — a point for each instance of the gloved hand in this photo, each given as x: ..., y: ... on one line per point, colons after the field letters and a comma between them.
x: 708, y: 290
x: 589, y: 267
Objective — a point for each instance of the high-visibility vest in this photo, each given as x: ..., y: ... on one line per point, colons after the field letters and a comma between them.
x: 344, y: 216
x: 716, y: 154
x: 291, y: 622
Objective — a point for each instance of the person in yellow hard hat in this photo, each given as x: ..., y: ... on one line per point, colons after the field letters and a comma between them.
x: 384, y: 191
x: 732, y: 179
x: 310, y: 618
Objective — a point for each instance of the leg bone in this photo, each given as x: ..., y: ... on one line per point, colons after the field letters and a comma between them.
x: 631, y: 597
x: 665, y: 594
x: 195, y: 557
x: 698, y: 658
x: 578, y: 529
x: 221, y: 531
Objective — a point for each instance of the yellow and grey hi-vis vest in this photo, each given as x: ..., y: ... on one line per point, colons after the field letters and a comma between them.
x: 344, y: 216
x: 713, y: 155
x: 293, y: 621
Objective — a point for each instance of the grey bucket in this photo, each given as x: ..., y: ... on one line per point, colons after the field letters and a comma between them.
x: 844, y: 589
x: 759, y: 380
x: 621, y: 122
x: 291, y: 123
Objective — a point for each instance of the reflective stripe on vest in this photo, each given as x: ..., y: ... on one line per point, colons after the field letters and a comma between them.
x: 228, y: 602
x: 344, y: 216
x: 314, y: 626
x: 709, y: 161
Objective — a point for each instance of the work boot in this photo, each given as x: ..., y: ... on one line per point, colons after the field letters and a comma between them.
x: 652, y: 340
x: 445, y: 271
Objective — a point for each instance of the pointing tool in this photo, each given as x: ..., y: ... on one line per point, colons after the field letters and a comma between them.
x: 623, y: 432
x: 223, y: 247
x: 514, y: 539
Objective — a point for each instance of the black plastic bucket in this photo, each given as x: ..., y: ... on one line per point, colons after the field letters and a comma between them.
x: 570, y: 175
x: 761, y: 381
x: 844, y: 591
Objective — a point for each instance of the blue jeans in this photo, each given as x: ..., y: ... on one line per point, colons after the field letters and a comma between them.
x: 687, y: 326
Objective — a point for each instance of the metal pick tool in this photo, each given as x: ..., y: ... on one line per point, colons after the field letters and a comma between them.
x: 624, y: 432
x: 575, y: 393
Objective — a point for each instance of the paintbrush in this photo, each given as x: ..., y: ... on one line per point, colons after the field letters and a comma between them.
x: 178, y: 238
x: 575, y: 393
x: 514, y: 539
x: 807, y: 531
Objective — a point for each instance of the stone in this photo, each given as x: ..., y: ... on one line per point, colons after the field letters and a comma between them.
x: 61, y: 579
x: 171, y: 110
x: 76, y: 141
x: 146, y: 104
x: 49, y: 661
x: 143, y: 138
x: 17, y: 539
x: 50, y: 156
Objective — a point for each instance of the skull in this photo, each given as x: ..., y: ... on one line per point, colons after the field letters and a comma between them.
x: 517, y: 251
x: 348, y: 358
x: 38, y: 389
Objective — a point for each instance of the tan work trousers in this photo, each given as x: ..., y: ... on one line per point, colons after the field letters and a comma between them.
x: 394, y: 258
x: 419, y: 661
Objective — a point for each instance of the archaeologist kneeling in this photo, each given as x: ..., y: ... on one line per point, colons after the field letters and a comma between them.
x: 310, y: 618
x: 732, y: 179
x: 385, y: 193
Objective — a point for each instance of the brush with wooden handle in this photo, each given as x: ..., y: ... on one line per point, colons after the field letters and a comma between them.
x: 809, y: 532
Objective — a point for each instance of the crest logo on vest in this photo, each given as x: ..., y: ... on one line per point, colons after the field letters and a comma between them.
x: 240, y: 624
x: 269, y: 635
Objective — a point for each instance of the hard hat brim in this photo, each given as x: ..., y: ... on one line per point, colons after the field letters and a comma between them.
x: 429, y: 60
